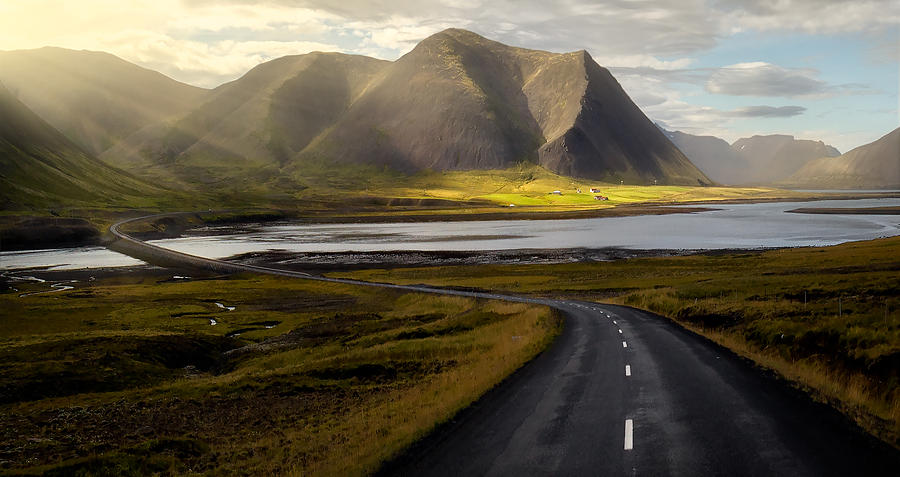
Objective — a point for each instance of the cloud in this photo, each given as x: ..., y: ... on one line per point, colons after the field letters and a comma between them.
x: 654, y: 34
x: 767, y: 112
x: 810, y: 16
x: 206, y: 64
x: 764, y: 79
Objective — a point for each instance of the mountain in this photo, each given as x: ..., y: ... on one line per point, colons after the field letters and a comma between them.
x: 775, y: 157
x: 712, y: 155
x: 457, y: 101
x: 94, y: 98
x: 39, y: 167
x: 460, y: 101
x: 753, y: 160
x: 872, y: 166
x: 250, y: 127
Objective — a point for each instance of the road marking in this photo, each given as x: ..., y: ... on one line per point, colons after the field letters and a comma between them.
x: 614, y: 322
x: 624, y: 344
x: 629, y: 434
x: 627, y: 370
x: 620, y: 332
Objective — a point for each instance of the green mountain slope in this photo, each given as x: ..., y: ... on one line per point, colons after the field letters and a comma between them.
x: 40, y: 168
x: 872, y: 166
x: 94, y: 98
x: 248, y: 128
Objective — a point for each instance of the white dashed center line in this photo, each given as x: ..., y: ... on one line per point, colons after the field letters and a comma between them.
x: 614, y: 322
x: 624, y: 344
x: 620, y: 332
x: 627, y: 370
x: 629, y: 434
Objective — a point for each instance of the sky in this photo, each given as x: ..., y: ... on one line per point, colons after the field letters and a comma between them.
x: 815, y: 69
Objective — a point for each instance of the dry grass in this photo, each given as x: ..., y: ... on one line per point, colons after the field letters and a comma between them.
x: 126, y: 376
x: 825, y: 318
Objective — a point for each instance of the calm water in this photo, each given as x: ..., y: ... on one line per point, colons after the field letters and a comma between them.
x: 733, y: 226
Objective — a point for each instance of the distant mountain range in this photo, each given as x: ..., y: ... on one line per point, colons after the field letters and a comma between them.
x: 774, y: 157
x: 752, y: 160
x: 457, y: 101
x: 40, y: 167
x: 872, y: 166
x: 788, y: 162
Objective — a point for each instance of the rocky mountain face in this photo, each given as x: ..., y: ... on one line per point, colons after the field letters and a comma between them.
x: 94, y: 98
x: 460, y: 101
x: 872, y: 166
x: 457, y: 101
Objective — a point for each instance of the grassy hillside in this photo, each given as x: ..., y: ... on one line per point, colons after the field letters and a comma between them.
x: 826, y: 318
x: 93, y: 98
x: 126, y: 375
x: 528, y: 187
x: 247, y: 129
x: 42, y: 169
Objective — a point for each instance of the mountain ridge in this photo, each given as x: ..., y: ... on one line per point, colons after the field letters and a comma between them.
x: 493, y: 105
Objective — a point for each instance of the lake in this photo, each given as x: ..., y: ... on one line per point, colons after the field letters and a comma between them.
x: 761, y: 225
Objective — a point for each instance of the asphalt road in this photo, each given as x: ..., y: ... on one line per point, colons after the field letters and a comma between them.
x: 693, y: 407
x: 626, y: 392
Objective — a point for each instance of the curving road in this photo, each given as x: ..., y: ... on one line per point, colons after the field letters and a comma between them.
x: 620, y: 392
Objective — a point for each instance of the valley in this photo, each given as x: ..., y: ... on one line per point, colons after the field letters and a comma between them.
x: 453, y: 256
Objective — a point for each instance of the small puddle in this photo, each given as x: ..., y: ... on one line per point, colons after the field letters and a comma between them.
x: 227, y: 308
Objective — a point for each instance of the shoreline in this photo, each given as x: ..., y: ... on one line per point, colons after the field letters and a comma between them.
x: 320, y: 263
x: 887, y: 210
x: 185, y: 224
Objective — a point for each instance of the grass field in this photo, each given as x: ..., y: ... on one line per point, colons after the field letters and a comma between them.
x: 523, y: 186
x: 369, y: 193
x: 127, y: 375
x: 825, y: 318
